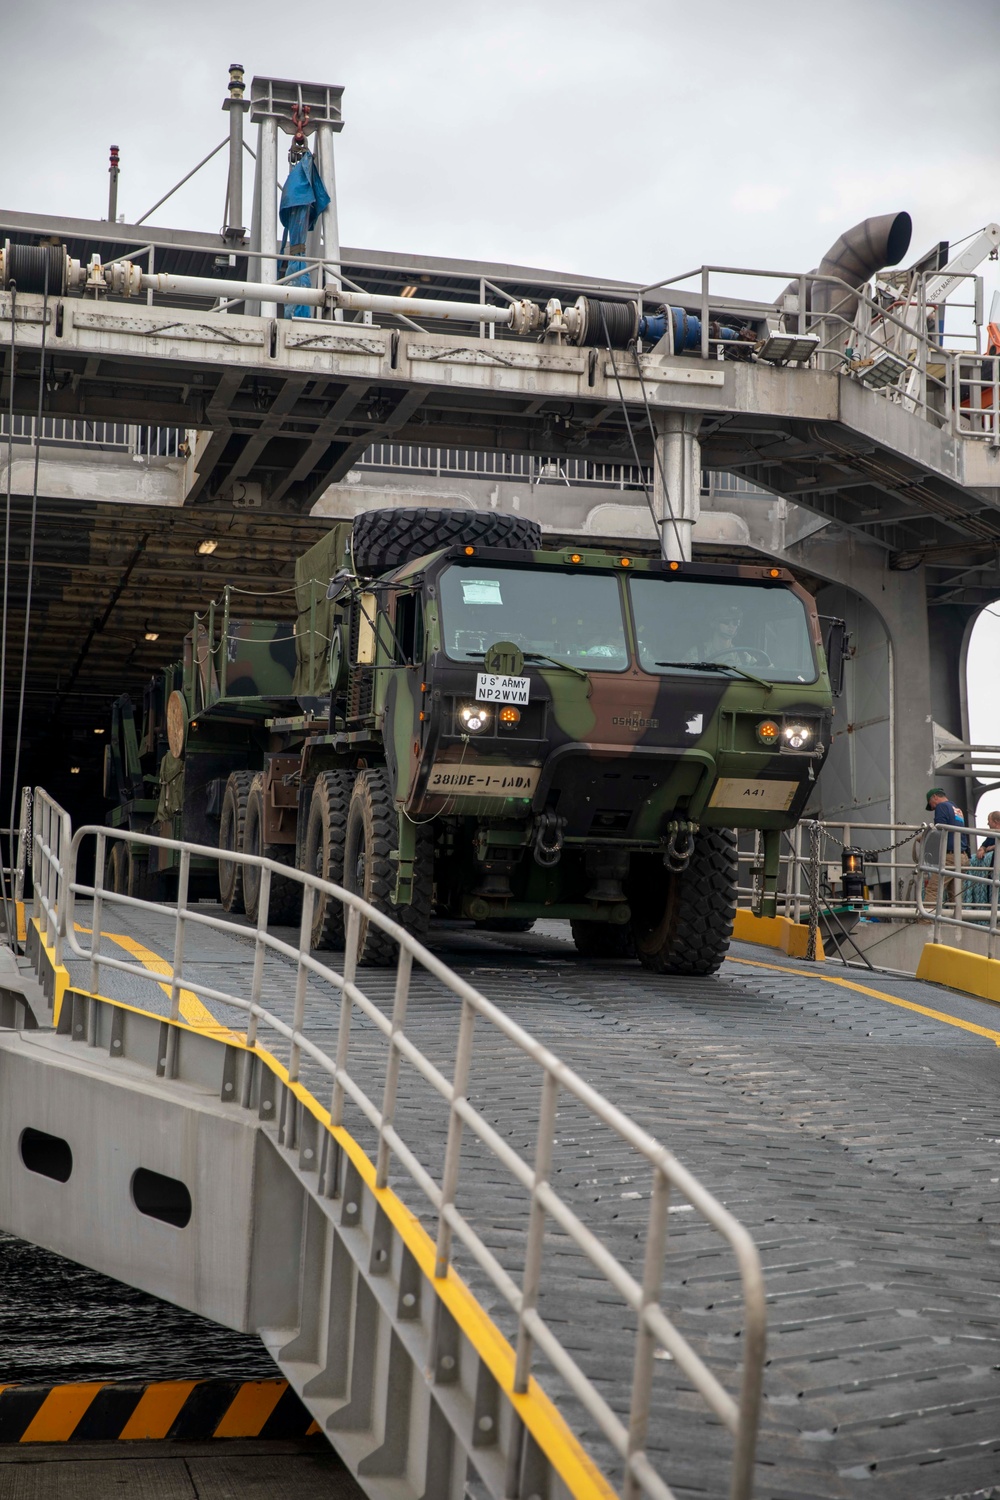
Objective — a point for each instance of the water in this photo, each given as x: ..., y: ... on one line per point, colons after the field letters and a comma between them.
x: 61, y: 1322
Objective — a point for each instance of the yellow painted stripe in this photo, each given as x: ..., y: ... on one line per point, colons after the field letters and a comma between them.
x: 22, y: 931
x: 60, y: 1412
x: 863, y: 989
x: 158, y: 1408
x: 194, y: 1012
x: 251, y: 1406
x: 59, y: 970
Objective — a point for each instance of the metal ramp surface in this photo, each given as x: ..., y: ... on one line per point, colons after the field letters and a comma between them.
x: 850, y: 1126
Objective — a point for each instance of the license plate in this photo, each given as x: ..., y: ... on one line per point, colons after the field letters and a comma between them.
x: 455, y: 780
x: 734, y: 791
x: 491, y: 688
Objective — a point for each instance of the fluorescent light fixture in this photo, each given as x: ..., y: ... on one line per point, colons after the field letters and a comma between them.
x: 885, y: 369
x: 151, y: 635
x: 408, y: 291
x: 98, y: 731
x: 788, y: 348
x: 207, y: 547
x: 74, y: 770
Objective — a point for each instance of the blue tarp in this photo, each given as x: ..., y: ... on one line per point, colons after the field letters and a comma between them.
x: 303, y: 199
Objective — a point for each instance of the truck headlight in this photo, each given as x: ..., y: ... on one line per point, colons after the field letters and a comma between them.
x: 475, y: 717
x: 797, y: 736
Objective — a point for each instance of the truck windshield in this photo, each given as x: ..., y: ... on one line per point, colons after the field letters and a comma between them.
x: 573, y: 617
x: 762, y: 630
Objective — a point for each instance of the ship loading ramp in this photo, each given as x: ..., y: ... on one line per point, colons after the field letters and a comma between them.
x: 838, y: 1133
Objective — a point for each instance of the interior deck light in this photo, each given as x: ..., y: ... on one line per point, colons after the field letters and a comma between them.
x: 207, y: 547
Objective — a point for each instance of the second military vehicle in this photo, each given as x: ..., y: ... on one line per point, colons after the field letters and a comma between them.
x: 464, y: 722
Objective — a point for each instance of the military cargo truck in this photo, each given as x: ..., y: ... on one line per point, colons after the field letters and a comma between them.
x: 463, y: 722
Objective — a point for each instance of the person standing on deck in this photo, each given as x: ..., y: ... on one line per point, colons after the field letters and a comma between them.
x: 946, y: 814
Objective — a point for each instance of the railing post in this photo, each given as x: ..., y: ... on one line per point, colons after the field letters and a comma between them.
x: 536, y: 1229
x: 346, y: 1008
x: 301, y: 981
x: 704, y: 312
x: 95, y: 924
x: 645, y: 1342
x: 453, y: 1149
x: 182, y: 897
x: 404, y: 967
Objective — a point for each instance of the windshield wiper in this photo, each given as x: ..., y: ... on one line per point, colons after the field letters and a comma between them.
x: 717, y: 666
x: 543, y: 656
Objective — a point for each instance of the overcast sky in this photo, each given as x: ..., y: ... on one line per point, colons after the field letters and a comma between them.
x: 620, y: 138
x: 631, y: 138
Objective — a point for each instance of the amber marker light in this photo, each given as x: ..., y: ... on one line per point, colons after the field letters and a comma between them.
x: 575, y: 557
x: 774, y: 572
x: 469, y: 551
x: 626, y: 562
x: 510, y: 715
x: 674, y: 566
x: 767, y: 732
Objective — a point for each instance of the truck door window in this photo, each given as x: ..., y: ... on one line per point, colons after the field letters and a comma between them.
x: 764, y: 630
x: 409, y: 629
x: 574, y: 617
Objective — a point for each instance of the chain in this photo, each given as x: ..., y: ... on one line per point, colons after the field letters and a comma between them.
x: 885, y: 848
x: 815, y: 835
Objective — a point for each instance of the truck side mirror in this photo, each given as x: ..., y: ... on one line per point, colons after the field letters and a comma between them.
x: 837, y: 646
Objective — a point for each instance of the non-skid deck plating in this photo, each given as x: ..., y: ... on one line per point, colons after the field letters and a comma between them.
x: 847, y: 1125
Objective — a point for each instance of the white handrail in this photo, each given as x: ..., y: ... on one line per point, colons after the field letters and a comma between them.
x: 57, y: 890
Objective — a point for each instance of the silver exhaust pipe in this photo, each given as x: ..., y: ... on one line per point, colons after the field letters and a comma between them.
x: 855, y: 257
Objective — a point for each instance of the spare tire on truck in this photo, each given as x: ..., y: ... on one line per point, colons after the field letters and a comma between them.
x: 384, y: 539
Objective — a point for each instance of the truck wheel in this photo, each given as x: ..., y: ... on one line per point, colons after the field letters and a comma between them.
x: 323, y: 854
x: 372, y: 831
x: 286, y: 894
x: 116, y: 869
x: 384, y: 539
x: 231, y: 829
x: 681, y: 924
x: 602, y: 940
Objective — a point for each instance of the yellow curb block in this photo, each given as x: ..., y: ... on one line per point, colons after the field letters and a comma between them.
x: 776, y: 932
x: 958, y: 970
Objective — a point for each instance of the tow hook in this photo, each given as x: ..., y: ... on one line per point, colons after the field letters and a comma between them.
x: 680, y: 846
x: 548, y: 839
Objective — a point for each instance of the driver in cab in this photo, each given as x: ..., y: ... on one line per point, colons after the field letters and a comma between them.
x: 719, y: 642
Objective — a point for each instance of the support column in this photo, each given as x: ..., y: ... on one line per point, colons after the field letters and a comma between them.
x: 327, y: 231
x: 236, y: 106
x: 268, y: 169
x: 677, y: 482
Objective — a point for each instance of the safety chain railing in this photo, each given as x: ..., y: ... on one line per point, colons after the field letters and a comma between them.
x: 811, y: 867
x: 57, y: 889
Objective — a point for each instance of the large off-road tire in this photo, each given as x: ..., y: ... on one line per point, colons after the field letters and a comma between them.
x: 372, y: 831
x: 682, y: 924
x: 388, y: 538
x: 602, y: 939
x: 232, y: 825
x: 285, y: 901
x: 323, y: 852
x: 506, y: 924
x: 116, y: 868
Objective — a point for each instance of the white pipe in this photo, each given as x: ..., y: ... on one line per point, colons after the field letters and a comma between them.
x: 310, y: 296
x: 417, y: 307
x: 211, y: 286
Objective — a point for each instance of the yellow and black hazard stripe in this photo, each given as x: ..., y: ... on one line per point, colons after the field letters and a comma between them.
x: 103, y: 1411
